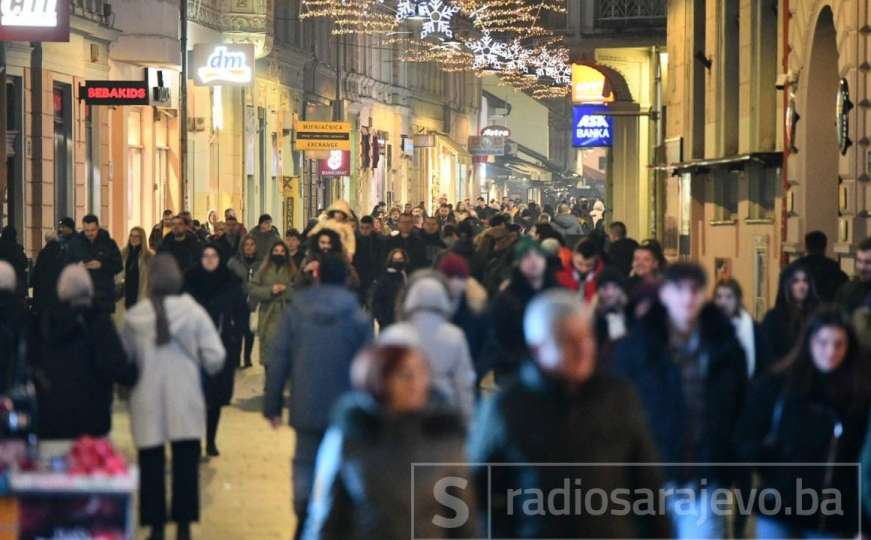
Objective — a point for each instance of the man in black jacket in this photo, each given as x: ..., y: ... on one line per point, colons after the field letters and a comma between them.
x: 562, y: 412
x: 852, y: 295
x: 369, y: 256
x: 409, y: 240
x: 621, y: 249
x: 182, y: 244
x: 103, y: 261
x: 826, y: 273
x: 691, y: 374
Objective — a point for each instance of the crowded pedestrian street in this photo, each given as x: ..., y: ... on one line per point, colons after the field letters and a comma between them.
x: 435, y: 269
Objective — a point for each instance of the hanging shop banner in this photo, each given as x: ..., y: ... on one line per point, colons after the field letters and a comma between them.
x: 590, y: 128
x: 311, y: 135
x: 338, y: 164
x: 496, y: 131
x: 487, y: 146
x: 34, y: 20
x: 589, y: 85
x: 114, y: 93
x: 223, y: 64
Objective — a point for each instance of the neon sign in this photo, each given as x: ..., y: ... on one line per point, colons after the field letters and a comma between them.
x: 34, y: 20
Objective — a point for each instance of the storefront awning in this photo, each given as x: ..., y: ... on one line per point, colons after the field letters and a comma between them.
x: 766, y: 159
x: 461, y: 152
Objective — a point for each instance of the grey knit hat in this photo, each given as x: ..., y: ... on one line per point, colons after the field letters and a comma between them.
x: 8, y: 280
x: 75, y: 285
x: 164, y: 276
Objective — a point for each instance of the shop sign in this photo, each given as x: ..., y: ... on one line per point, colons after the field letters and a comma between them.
x: 487, y: 146
x: 34, y: 20
x: 590, y: 128
x: 322, y: 135
x: 589, y: 85
x: 843, y: 106
x: 424, y: 141
x: 496, y: 131
x: 225, y: 64
x: 114, y: 93
x: 337, y: 164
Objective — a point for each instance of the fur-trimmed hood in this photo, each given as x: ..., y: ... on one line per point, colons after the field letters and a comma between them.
x: 360, y: 417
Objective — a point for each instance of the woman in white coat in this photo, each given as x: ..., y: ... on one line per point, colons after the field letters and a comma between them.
x: 172, y: 340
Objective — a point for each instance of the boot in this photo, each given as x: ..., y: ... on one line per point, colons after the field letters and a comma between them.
x: 184, y: 531
x: 156, y: 533
x: 212, y: 450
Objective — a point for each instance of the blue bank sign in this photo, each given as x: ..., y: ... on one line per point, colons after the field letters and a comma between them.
x: 590, y: 128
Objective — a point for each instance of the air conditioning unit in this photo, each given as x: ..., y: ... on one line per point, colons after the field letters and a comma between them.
x: 197, y: 123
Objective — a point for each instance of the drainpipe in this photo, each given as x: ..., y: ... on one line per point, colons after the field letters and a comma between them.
x: 784, y: 13
x: 183, y: 107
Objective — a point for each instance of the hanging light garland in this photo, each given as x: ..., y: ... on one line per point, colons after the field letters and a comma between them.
x: 504, y: 25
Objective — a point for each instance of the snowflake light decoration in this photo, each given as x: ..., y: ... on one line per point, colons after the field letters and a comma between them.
x: 438, y: 15
x: 406, y: 9
x: 489, y: 54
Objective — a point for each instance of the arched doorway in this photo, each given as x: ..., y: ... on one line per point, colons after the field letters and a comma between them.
x: 819, y: 147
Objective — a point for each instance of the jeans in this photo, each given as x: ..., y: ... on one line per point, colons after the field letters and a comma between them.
x: 692, y: 512
x: 767, y: 527
x: 304, y: 458
x: 185, y: 483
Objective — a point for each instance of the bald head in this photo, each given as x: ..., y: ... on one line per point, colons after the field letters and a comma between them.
x: 559, y: 333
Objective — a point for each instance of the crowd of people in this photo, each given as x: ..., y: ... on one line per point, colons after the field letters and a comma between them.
x: 482, y: 333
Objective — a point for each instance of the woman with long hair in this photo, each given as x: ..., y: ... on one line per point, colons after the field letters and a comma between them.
x: 796, y: 300
x: 172, y: 340
x: 136, y: 257
x: 245, y: 265
x: 811, y: 409
x: 729, y: 297
x: 271, y: 288
x: 220, y: 292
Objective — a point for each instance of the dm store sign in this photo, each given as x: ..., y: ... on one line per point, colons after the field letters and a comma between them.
x: 224, y: 64
x: 591, y: 128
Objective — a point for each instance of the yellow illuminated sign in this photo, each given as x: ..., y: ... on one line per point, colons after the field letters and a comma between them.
x: 313, y: 135
x: 589, y: 85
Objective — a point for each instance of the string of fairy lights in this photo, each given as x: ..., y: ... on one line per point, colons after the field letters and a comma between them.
x: 501, y: 37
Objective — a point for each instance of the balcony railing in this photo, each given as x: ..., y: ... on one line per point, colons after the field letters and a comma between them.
x: 93, y: 10
x: 639, y: 12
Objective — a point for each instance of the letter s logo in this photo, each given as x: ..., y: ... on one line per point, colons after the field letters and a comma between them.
x: 457, y: 505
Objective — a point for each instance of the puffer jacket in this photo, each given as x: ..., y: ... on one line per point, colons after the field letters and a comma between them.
x: 363, y: 484
x: 428, y: 327
x: 567, y: 225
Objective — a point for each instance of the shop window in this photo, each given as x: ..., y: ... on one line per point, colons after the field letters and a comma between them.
x: 161, y: 164
x: 724, y: 195
x: 762, y: 193
x: 64, y: 203
x: 92, y: 159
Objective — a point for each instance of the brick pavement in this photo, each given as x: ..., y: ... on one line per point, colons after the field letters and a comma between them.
x: 246, y: 491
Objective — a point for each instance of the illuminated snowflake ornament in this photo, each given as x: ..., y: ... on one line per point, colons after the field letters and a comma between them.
x: 406, y: 9
x: 489, y: 54
x: 517, y: 57
x: 437, y: 18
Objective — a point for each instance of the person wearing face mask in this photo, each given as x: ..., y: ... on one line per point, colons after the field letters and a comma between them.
x: 220, y: 292
x: 796, y: 300
x: 386, y: 289
x: 689, y: 370
x: 365, y: 463
x: 811, y: 409
x: 272, y: 289
x: 562, y: 410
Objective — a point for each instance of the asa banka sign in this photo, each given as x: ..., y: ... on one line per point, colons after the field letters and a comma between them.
x: 34, y: 20
x: 224, y: 64
x: 115, y: 93
x: 590, y: 127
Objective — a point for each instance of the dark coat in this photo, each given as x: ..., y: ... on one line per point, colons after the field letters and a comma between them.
x: 826, y: 273
x: 13, y: 253
x: 782, y: 334
x: 225, y: 246
x: 414, y: 246
x: 186, y: 251
x: 222, y: 295
x: 539, y: 419
x: 369, y: 258
x: 16, y: 339
x: 319, y: 335
x: 434, y: 245
x: 384, y: 297
x: 52, y: 259
x: 852, y: 295
x: 644, y: 358
x: 155, y: 237
x: 104, y: 250
x: 621, y: 253
x: 79, y: 359
x: 465, y: 248
x: 781, y: 425
x: 364, y: 474
x: 505, y: 347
